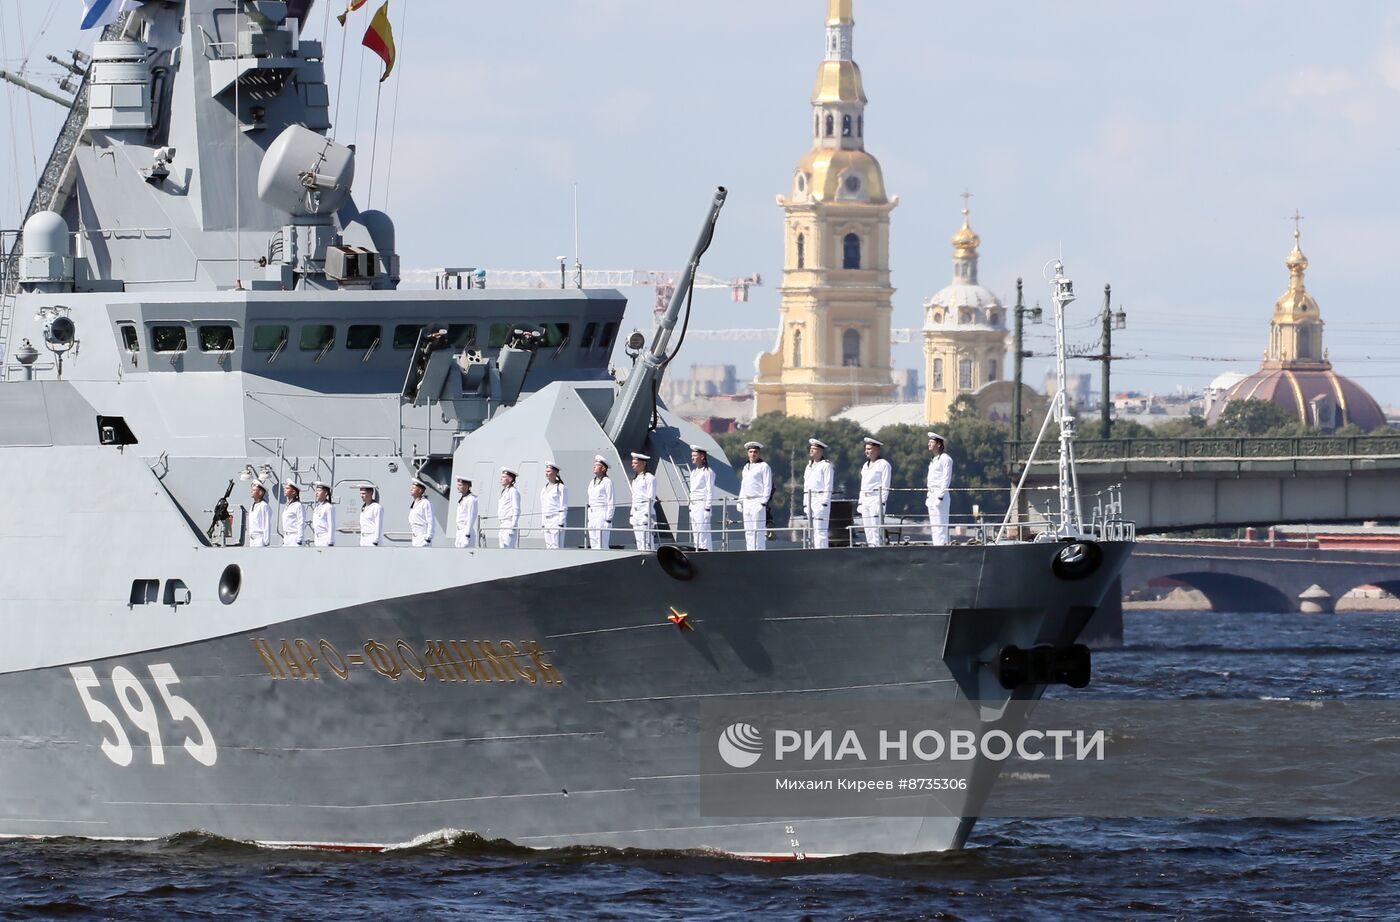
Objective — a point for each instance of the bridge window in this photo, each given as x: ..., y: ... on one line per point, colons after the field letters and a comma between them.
x: 850, y: 257
x: 965, y: 374
x: 461, y: 335
x: 362, y: 336
x: 609, y: 334
x: 590, y: 333
x: 216, y: 339
x: 406, y: 335
x: 796, y: 348
x: 850, y: 349
x: 316, y: 336
x: 555, y: 334
x: 169, y: 339
x: 801, y: 251
x: 269, y: 338
x: 129, y: 339
x: 937, y: 375
x: 144, y: 591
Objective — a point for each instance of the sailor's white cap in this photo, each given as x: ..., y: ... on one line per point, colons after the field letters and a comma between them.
x: 292, y: 483
x: 871, y: 441
x: 258, y: 484
x: 599, y: 459
x: 461, y: 479
x: 552, y: 466
x: 638, y: 456
x: 748, y: 445
x: 506, y: 470
x: 700, y: 448
x: 818, y: 443
x: 415, y: 482
x: 935, y: 435
x: 367, y: 486
x: 320, y: 485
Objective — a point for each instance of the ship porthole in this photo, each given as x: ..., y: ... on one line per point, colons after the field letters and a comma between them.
x: 1077, y: 560
x: 230, y: 583
x: 675, y: 562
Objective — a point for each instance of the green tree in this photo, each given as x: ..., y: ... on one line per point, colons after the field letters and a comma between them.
x: 1256, y: 418
x: 1183, y: 427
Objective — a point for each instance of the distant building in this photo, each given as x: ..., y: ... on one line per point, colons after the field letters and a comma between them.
x: 906, y: 382
x: 1079, y: 388
x: 704, y: 382
x: 964, y: 332
x: 833, y: 347
x: 1296, y: 373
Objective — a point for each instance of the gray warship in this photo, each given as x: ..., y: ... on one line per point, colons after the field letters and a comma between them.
x: 195, y: 304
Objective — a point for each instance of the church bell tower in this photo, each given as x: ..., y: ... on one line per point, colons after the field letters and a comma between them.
x: 833, y: 348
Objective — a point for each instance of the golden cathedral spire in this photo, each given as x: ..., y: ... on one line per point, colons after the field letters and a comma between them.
x: 1295, y: 334
x: 834, y: 346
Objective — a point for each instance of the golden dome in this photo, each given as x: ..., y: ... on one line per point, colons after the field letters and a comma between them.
x: 1295, y: 260
x: 839, y: 81
x: 838, y: 13
x: 1296, y: 302
x: 965, y: 241
x: 828, y: 169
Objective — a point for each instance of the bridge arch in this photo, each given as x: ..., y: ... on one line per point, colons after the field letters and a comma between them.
x: 1231, y: 592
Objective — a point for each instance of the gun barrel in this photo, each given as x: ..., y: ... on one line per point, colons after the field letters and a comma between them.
x: 687, y: 280
x: 626, y: 425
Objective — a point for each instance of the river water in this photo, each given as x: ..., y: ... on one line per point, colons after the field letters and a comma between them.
x: 1033, y: 869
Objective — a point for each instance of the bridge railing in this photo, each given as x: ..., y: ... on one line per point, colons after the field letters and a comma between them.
x: 1212, y: 448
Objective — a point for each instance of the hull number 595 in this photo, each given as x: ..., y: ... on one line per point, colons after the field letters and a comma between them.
x: 136, y: 702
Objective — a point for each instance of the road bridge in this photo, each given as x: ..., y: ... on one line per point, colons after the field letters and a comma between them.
x: 1255, y: 576
x: 1181, y: 484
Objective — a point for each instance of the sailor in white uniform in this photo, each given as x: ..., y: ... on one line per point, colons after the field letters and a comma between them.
x: 817, y: 483
x: 940, y: 480
x: 875, y: 478
x: 755, y: 489
x: 643, y: 518
x: 601, y: 503
x: 508, y: 511
x: 554, y: 506
x: 702, y: 495
x: 371, y: 517
x: 421, y: 520
x: 323, y: 516
x: 293, y: 515
x: 467, y: 516
x: 259, y: 517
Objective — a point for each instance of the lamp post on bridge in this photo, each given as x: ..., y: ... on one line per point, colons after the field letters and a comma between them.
x: 1018, y: 311
x: 1111, y: 321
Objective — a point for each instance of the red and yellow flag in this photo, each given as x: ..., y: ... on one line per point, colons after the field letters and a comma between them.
x: 379, y: 38
x: 354, y: 5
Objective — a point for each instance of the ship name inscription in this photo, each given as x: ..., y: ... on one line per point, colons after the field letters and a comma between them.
x: 471, y: 661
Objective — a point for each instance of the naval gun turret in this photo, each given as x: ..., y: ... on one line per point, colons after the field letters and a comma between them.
x: 628, y: 421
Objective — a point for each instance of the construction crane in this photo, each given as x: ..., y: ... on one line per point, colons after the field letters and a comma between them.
x: 663, y: 281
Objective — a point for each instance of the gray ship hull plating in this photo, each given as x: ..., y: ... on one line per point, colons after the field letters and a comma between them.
x: 565, y: 713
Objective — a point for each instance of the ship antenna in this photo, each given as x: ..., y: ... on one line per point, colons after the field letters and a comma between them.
x: 237, y: 173
x: 1071, y: 518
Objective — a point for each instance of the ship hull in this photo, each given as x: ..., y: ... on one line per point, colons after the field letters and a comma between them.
x: 556, y: 708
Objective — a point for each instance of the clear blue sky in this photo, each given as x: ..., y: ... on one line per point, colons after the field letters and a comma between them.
x: 1159, y: 146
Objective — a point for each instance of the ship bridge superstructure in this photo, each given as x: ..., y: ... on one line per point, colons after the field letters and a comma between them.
x: 201, y: 292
